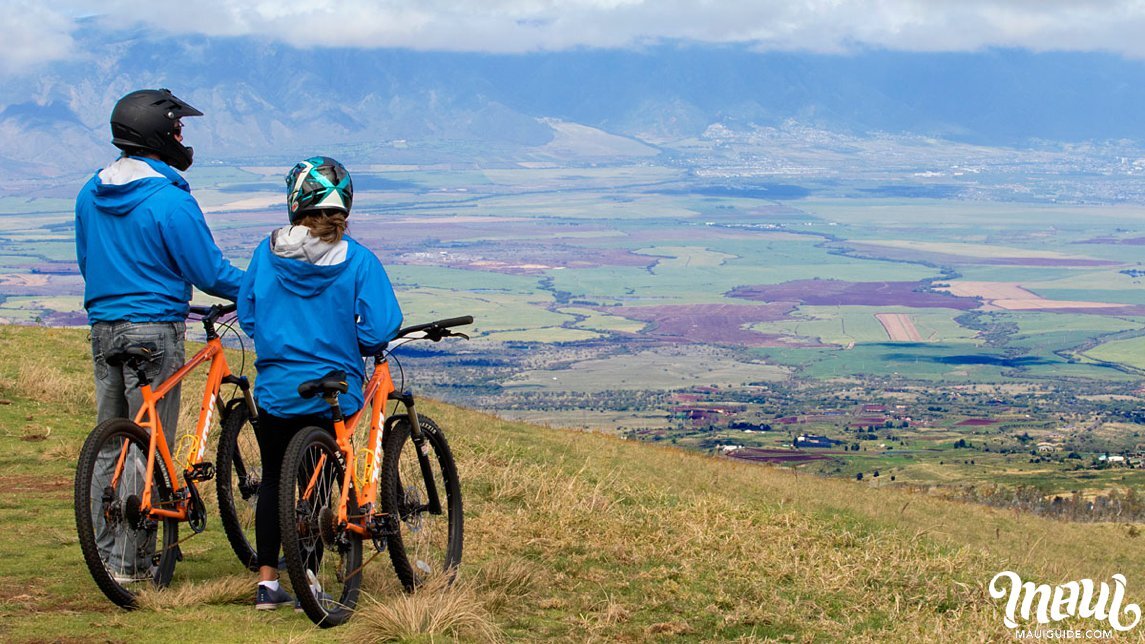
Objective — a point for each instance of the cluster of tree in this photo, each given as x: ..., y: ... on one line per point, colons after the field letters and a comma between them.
x: 1117, y: 505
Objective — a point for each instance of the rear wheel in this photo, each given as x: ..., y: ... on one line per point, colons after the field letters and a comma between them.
x: 124, y: 548
x: 238, y: 467
x: 324, y: 562
x: 427, y: 544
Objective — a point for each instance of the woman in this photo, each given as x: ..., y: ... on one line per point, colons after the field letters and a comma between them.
x: 313, y: 300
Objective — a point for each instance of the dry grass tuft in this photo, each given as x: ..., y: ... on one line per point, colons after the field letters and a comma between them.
x: 62, y: 537
x: 225, y: 590
x: 456, y: 612
x: 669, y: 628
x: 501, y: 582
x: 44, y: 381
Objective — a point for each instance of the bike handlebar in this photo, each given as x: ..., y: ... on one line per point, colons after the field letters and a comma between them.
x: 208, y: 315
x: 442, y: 325
x: 434, y: 331
x: 214, y: 311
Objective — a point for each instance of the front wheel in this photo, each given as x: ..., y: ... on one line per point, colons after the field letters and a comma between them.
x: 425, y: 496
x: 124, y: 547
x: 323, y: 559
x: 238, y: 466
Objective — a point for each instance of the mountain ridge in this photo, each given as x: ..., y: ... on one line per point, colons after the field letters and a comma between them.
x: 263, y: 98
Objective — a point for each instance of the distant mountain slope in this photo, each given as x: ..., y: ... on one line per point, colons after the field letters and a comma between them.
x: 265, y: 99
x: 568, y: 536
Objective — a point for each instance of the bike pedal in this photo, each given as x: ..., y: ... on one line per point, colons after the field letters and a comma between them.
x: 202, y: 472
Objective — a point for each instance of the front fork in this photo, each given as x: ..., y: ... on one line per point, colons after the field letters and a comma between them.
x: 421, y: 447
x: 228, y: 406
x: 248, y: 484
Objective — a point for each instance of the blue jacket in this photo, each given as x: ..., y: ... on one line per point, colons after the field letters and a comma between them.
x: 308, y: 319
x: 142, y: 241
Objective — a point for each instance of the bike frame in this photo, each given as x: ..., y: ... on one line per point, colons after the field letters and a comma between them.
x: 378, y: 391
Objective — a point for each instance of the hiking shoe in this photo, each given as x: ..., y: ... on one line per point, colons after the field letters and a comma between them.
x: 267, y: 599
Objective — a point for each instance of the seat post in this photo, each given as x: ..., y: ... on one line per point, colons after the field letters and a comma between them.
x: 335, y: 408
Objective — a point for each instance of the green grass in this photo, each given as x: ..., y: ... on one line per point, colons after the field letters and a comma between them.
x: 1130, y: 352
x: 983, y: 215
x: 1033, y: 323
x: 26, y: 309
x: 597, y: 321
x: 461, y: 280
x: 1020, y: 274
x: 569, y: 536
x: 661, y: 368
x: 495, y: 312
x: 1128, y: 295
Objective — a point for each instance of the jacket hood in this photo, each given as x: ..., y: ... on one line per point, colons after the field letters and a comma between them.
x: 304, y: 264
x: 127, y: 182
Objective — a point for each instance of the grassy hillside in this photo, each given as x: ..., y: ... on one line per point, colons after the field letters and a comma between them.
x: 569, y: 536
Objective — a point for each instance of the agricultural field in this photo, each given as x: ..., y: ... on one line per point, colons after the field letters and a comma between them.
x: 601, y: 293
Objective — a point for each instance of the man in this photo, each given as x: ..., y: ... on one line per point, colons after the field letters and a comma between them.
x: 141, y: 243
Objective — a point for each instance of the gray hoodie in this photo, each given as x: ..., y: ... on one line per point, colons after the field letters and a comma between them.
x: 296, y: 242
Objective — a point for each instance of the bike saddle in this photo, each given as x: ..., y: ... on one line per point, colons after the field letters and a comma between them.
x: 335, y: 381
x: 120, y: 356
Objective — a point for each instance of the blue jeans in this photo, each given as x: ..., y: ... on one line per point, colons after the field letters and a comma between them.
x: 116, y: 388
x: 124, y: 549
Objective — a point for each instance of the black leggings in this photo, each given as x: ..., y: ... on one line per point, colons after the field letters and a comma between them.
x: 274, y: 434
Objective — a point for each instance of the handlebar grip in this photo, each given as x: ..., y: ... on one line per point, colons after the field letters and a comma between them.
x: 452, y: 322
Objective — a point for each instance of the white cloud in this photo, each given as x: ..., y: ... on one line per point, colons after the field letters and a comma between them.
x: 33, y: 34
x: 43, y: 31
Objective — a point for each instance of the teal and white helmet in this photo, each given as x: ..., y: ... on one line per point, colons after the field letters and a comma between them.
x: 318, y: 184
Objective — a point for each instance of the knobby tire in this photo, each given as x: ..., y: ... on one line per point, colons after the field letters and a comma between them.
x: 316, y: 551
x: 238, y: 477
x: 425, y: 546
x: 111, y: 512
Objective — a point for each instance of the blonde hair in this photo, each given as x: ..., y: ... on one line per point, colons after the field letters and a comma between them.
x: 328, y: 226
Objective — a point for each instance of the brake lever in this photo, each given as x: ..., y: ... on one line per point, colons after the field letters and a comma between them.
x: 439, y: 334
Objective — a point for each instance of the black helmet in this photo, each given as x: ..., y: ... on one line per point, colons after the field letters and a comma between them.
x: 145, y: 121
x: 318, y: 184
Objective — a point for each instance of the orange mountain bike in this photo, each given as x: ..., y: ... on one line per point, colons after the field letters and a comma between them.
x: 129, y: 499
x: 398, y: 489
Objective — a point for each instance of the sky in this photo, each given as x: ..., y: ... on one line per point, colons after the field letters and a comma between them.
x: 42, y: 32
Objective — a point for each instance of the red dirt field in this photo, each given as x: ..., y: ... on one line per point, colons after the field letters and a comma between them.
x: 843, y: 293
x: 977, y: 422
x: 759, y: 455
x: 711, y: 323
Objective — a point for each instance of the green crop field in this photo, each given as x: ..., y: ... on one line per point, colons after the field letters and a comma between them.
x: 1129, y: 352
